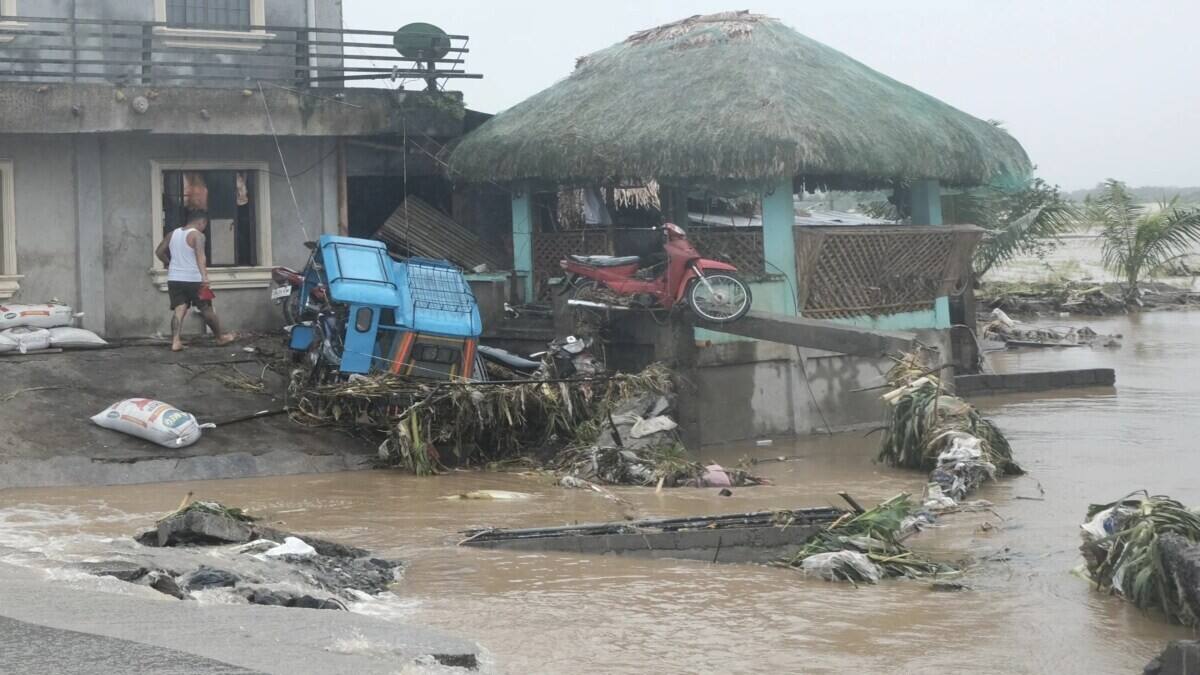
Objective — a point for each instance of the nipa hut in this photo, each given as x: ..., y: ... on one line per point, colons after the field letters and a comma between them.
x: 739, y: 101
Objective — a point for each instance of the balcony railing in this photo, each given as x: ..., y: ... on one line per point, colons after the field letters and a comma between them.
x: 46, y: 49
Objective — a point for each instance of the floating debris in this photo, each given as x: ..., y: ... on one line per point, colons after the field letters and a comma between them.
x: 1015, y: 334
x: 932, y: 430
x: 496, y: 495
x: 866, y: 547
x: 1129, y: 549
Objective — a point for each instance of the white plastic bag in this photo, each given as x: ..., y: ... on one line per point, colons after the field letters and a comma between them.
x: 28, y: 338
x: 838, y: 565
x: 67, y: 337
x: 154, y: 421
x: 39, y: 316
x: 7, y: 344
x: 292, y: 546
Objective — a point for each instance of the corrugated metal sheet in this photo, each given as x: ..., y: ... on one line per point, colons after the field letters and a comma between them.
x: 430, y: 233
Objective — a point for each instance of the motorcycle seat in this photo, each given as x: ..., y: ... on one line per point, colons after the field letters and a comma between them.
x: 606, y: 260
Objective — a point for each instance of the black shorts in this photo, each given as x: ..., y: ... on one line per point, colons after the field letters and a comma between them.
x: 186, y: 293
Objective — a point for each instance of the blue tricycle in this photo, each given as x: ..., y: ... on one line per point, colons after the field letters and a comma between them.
x: 355, y: 310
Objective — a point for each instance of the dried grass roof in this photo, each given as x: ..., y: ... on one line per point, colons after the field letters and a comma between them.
x: 734, y: 96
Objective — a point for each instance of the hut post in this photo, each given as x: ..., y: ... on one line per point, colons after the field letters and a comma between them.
x: 925, y: 196
x: 522, y: 237
x: 779, y: 238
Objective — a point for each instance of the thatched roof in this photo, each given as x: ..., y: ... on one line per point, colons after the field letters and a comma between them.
x: 734, y: 96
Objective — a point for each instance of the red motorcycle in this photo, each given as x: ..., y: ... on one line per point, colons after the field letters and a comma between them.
x: 710, y: 288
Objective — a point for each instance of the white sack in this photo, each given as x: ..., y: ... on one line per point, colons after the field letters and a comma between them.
x: 154, y: 421
x: 38, y: 316
x: 28, y: 338
x: 7, y: 344
x: 66, y: 337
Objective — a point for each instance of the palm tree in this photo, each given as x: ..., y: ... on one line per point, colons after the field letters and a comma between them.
x: 1027, y: 221
x: 1137, y: 239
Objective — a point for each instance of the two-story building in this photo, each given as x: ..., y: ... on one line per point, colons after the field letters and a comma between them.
x: 117, y: 117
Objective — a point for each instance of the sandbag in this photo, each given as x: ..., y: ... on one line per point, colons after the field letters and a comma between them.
x: 39, y: 316
x: 67, y: 337
x: 7, y: 344
x: 28, y: 338
x: 152, y: 420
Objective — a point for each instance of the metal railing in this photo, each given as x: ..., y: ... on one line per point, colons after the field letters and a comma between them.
x: 48, y: 49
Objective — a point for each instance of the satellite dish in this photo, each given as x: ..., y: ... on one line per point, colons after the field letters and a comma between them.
x: 421, y: 42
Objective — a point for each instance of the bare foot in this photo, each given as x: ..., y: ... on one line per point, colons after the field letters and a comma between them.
x: 226, y: 339
x: 177, y: 346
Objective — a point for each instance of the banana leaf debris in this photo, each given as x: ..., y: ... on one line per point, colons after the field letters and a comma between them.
x: 867, y: 547
x: 932, y: 430
x: 1146, y: 549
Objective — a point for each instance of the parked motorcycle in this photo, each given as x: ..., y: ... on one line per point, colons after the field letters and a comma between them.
x: 710, y: 288
x: 287, y: 292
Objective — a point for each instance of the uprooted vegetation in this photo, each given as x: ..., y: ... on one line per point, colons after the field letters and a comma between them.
x: 867, y: 547
x: 414, y: 422
x: 1079, y: 297
x: 930, y: 429
x: 1147, y: 550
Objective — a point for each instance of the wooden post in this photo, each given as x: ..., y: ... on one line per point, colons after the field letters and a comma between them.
x: 610, y: 203
x: 342, y: 190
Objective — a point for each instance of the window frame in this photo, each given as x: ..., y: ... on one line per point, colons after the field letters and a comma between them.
x: 9, y: 279
x: 256, y: 276
x: 207, y: 38
x: 8, y: 8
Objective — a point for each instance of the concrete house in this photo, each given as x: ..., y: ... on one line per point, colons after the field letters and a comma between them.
x: 117, y: 117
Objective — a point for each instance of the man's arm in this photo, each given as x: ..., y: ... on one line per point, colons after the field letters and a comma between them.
x: 201, y: 261
x: 163, y: 252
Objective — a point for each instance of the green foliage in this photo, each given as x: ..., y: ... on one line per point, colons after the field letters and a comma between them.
x: 1028, y: 221
x: 877, y: 533
x: 1129, y: 561
x: 1137, y: 239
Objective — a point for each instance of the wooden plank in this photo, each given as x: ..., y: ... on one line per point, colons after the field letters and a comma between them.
x: 816, y: 334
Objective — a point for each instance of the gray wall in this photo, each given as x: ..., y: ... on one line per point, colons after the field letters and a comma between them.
x: 52, y: 178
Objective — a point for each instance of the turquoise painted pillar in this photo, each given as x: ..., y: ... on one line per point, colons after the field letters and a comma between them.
x: 522, y: 232
x: 926, y: 200
x: 779, y: 240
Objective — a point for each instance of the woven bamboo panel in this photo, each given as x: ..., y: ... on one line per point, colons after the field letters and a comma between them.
x: 551, y: 247
x: 742, y: 246
x: 873, y: 271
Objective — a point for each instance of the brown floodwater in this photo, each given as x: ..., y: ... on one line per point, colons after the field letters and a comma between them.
x: 549, y: 613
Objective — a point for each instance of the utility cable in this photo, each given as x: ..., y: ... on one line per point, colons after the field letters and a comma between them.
x: 283, y: 162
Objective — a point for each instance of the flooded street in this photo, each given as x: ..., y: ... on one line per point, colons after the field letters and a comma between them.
x: 544, y: 613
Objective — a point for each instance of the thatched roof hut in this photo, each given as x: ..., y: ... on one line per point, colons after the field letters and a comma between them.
x: 740, y: 97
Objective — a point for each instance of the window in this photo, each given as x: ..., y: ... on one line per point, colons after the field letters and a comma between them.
x: 8, y: 12
x: 236, y: 199
x: 212, y: 24
x: 226, y: 14
x: 8, y: 234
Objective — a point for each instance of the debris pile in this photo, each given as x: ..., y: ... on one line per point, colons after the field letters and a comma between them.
x: 1001, y: 327
x: 1075, y: 297
x: 1146, y: 549
x: 414, y: 422
x: 866, y: 547
x: 272, y: 563
x: 931, y: 430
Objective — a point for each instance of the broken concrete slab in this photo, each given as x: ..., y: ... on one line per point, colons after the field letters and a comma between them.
x: 1181, y: 657
x: 118, y: 569
x: 198, y: 527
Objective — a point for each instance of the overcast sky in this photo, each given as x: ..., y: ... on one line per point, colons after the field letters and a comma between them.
x: 1092, y: 88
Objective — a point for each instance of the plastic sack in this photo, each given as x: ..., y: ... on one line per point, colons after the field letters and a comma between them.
x: 839, y: 565
x: 152, y: 420
x: 39, y: 316
x: 7, y: 344
x: 74, y: 338
x: 292, y: 546
x: 28, y: 338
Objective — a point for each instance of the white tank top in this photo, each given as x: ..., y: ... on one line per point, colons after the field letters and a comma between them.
x: 183, y: 257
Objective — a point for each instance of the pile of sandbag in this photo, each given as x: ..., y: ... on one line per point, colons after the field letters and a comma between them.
x: 32, y: 328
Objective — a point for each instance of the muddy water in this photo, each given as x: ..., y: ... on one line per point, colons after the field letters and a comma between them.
x: 541, y: 613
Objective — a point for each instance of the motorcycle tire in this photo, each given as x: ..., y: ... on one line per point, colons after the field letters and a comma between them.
x: 291, y: 308
x: 699, y: 306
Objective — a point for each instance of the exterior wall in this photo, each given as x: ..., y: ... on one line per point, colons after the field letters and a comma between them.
x: 751, y: 389
x: 53, y: 186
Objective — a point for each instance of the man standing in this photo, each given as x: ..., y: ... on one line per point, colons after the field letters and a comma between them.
x: 187, y: 278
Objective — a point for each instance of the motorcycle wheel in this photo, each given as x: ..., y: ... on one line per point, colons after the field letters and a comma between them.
x: 291, y: 308
x: 725, y: 298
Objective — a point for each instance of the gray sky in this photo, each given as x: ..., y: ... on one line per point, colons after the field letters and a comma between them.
x: 1092, y: 88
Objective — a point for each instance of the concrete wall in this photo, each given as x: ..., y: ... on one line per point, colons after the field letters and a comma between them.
x: 55, y: 182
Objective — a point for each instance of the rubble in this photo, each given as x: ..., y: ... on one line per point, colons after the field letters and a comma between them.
x: 1180, y: 657
x: 1004, y: 329
x: 1079, y: 297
